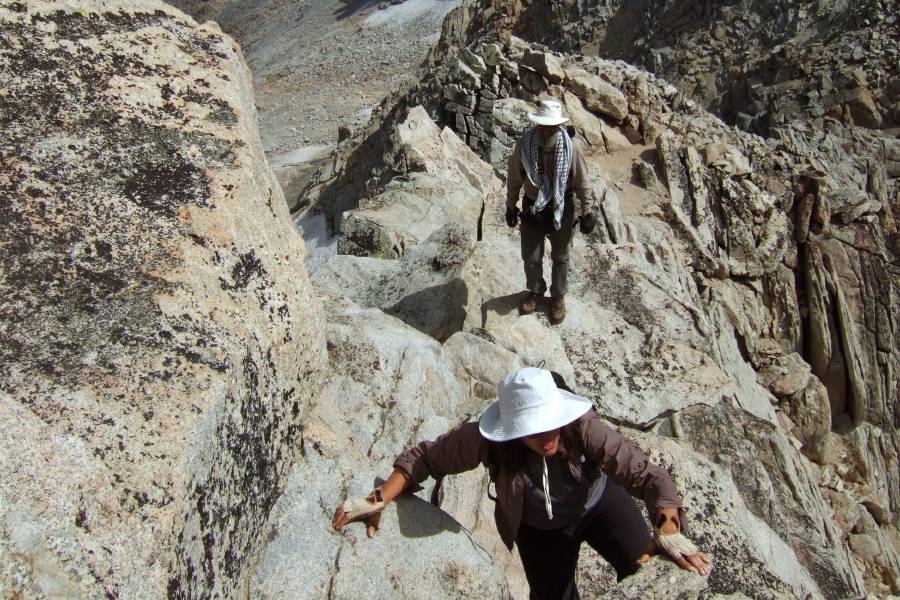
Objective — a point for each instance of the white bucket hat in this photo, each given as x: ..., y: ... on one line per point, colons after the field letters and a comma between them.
x: 529, y: 402
x: 549, y: 113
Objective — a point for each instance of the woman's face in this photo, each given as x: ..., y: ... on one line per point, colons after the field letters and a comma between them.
x: 544, y: 444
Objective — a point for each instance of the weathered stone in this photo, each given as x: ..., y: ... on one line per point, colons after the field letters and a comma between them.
x: 667, y: 147
x: 811, y: 413
x: 161, y: 340
x: 727, y: 158
x: 598, y: 95
x: 474, y: 61
x: 632, y: 133
x: 821, y: 213
x: 613, y: 138
x: 583, y: 119
x: 388, y: 380
x: 861, y: 106
x: 865, y: 547
x: 425, y: 291
x: 493, y: 54
x: 701, y: 214
x: 804, y: 213
x: 847, y: 203
x: 785, y: 375
x: 773, y: 241
x: 647, y: 175
x: 516, y: 47
x: 531, y: 80
x: 878, y: 511
x: 405, y: 213
x: 777, y: 485
x: 464, y: 74
x: 610, y: 210
x: 651, y: 128
x: 546, y: 64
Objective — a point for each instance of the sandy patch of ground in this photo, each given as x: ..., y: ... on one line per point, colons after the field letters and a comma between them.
x: 619, y: 172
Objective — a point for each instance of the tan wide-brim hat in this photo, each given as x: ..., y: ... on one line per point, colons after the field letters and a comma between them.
x: 549, y: 113
x: 529, y: 402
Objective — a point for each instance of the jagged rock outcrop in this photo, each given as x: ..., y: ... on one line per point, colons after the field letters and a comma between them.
x: 758, y: 65
x: 711, y: 290
x: 389, y: 386
x: 653, y: 351
x: 738, y: 321
x: 159, y: 340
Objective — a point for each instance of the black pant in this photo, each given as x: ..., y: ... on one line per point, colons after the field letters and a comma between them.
x: 614, y: 528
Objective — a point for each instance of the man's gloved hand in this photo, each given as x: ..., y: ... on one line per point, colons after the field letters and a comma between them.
x: 588, y: 222
x: 512, y: 217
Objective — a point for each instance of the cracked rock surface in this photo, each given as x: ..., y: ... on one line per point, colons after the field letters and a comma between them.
x: 159, y: 336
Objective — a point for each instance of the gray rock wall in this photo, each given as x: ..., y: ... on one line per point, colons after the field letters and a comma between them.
x: 159, y: 337
x: 783, y: 299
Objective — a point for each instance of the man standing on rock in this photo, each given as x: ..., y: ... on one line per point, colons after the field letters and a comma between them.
x: 551, y: 168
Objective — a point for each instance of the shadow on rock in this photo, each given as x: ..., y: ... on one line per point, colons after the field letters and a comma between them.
x: 418, y: 309
x: 502, y: 306
x: 418, y: 518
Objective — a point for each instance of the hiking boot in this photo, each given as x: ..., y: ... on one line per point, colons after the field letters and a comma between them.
x: 529, y: 305
x: 557, y: 310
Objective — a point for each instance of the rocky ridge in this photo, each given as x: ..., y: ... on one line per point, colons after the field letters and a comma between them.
x: 757, y: 64
x: 782, y: 244
x: 731, y: 296
x: 320, y: 68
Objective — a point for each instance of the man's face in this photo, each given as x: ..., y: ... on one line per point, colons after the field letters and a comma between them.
x: 547, y: 130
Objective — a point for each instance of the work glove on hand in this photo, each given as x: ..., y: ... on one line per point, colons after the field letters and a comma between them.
x: 512, y: 217
x: 678, y: 547
x: 363, y: 509
x: 588, y: 222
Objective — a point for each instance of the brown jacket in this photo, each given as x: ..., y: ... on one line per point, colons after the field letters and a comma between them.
x: 516, y: 178
x: 463, y: 449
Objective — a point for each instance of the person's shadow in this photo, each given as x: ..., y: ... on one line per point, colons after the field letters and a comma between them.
x: 502, y: 306
x: 417, y: 518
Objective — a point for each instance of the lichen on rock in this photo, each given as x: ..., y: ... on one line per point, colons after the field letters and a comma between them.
x: 158, y: 346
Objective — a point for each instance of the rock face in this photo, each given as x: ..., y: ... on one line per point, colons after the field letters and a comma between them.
x: 389, y: 385
x: 736, y: 305
x: 759, y: 65
x: 647, y: 364
x: 159, y: 338
x: 165, y: 356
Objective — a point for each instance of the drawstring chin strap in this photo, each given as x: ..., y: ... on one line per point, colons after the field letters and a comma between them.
x: 546, y: 483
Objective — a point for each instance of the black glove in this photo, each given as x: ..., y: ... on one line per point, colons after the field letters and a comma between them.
x: 512, y: 217
x: 588, y: 222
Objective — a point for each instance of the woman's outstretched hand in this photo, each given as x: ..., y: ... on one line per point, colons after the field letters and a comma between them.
x: 696, y: 561
x: 669, y: 540
x: 367, y: 509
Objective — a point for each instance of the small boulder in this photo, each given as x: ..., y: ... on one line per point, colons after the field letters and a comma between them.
x: 599, y: 95
x: 546, y: 64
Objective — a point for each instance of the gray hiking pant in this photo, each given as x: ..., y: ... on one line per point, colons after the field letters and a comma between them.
x: 533, y: 255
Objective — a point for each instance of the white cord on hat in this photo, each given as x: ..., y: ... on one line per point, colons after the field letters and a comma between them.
x: 547, y: 504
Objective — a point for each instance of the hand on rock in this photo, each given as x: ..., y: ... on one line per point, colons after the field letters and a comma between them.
x: 682, y: 551
x: 366, y: 509
x: 669, y: 540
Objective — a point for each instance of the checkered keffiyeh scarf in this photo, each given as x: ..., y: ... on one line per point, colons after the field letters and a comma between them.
x: 548, y: 184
